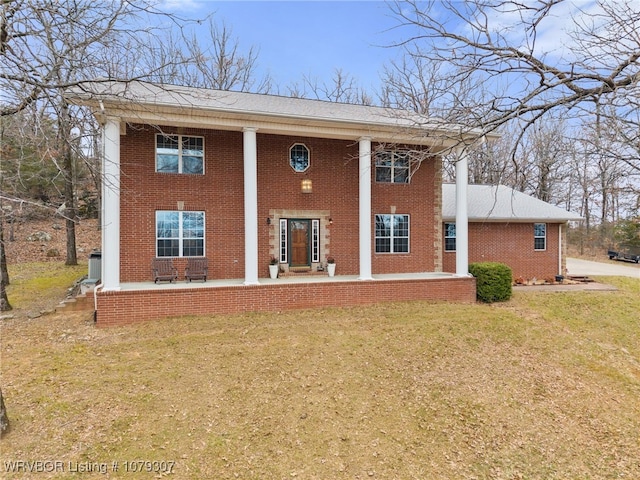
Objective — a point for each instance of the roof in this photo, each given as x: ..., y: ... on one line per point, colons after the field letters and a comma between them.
x: 491, y: 203
x: 142, y: 102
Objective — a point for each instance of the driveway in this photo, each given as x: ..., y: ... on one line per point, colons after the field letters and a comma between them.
x: 576, y: 266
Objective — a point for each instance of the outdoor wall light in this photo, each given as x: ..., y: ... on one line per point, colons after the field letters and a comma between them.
x: 331, y: 221
x: 268, y: 220
x: 307, y: 186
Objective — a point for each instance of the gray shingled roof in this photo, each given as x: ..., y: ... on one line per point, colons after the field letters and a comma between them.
x: 492, y: 203
x: 131, y: 100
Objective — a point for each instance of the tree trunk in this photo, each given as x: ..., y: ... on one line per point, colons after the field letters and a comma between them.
x: 69, y: 183
x: 4, y: 271
x: 5, y: 306
x: 4, y: 419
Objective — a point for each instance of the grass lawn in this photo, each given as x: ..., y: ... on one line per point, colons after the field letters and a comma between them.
x: 545, y: 386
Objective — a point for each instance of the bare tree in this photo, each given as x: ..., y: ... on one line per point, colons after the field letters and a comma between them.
x: 342, y: 88
x: 497, y: 45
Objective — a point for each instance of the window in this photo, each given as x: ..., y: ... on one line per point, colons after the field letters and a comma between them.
x: 179, y: 234
x: 539, y: 236
x: 179, y: 154
x: 299, y: 157
x: 392, y: 167
x: 392, y: 234
x: 449, y: 237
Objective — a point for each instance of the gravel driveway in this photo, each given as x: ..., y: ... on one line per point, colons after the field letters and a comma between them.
x: 577, y: 266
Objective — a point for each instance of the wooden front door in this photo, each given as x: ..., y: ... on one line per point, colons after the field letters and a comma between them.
x: 299, y: 233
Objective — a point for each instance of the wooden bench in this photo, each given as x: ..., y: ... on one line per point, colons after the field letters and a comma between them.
x: 197, y: 269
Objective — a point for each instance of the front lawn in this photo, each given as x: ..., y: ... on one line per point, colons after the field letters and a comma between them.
x: 545, y: 386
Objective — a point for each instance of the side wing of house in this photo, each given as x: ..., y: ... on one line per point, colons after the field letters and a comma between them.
x: 509, y: 227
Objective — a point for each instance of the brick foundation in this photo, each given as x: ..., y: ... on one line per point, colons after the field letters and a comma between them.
x: 132, y: 306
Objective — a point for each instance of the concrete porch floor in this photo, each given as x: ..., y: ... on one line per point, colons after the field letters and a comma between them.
x: 292, y: 280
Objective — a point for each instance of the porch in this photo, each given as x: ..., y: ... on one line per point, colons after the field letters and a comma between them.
x: 135, y: 302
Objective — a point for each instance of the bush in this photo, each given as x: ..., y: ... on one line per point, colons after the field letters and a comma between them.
x: 493, y: 281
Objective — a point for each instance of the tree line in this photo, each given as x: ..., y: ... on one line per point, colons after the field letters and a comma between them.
x: 567, y: 116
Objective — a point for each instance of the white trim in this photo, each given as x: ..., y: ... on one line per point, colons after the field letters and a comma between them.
x: 250, y: 156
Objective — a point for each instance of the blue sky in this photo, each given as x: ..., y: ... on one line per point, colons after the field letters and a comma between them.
x: 312, y: 38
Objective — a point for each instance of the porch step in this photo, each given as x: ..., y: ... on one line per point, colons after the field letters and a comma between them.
x: 75, y: 304
x: 304, y: 273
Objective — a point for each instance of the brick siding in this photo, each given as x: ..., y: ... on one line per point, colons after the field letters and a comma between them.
x: 511, y: 244
x: 219, y: 193
x: 125, y: 307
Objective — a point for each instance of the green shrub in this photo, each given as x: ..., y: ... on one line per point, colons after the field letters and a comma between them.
x: 493, y: 281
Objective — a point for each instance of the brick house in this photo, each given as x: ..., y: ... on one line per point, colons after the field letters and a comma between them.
x: 510, y: 227
x: 241, y: 178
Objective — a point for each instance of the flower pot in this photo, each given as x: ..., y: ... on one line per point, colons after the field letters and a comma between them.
x: 331, y: 268
x: 273, y: 271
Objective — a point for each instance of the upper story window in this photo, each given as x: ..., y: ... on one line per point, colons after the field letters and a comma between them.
x: 299, y: 157
x: 539, y: 236
x: 392, y: 234
x: 392, y: 166
x: 449, y: 237
x: 179, y: 154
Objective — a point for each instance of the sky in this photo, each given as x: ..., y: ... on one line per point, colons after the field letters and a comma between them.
x: 310, y: 38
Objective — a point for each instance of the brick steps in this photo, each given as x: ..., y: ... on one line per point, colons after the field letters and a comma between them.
x: 80, y: 303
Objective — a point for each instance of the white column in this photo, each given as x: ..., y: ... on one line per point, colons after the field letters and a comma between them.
x: 365, y: 208
x: 110, y: 265
x: 250, y: 207
x: 462, y: 217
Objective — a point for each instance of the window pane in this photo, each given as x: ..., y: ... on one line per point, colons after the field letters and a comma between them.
x: 193, y: 225
x: 539, y: 243
x: 400, y: 226
x: 192, y: 146
x: 383, y: 174
x: 167, y: 153
x: 400, y: 245
x: 192, y: 165
x: 192, y: 248
x: 540, y: 229
x: 166, y: 163
x: 450, y: 244
x: 168, y: 248
x: 383, y: 226
x: 450, y: 230
x: 383, y: 245
x: 167, y: 225
x: 401, y: 175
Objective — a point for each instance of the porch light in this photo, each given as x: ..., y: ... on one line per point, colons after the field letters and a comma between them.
x: 307, y: 186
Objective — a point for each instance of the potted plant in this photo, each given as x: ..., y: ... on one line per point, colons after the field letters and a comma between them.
x: 273, y: 267
x: 331, y: 266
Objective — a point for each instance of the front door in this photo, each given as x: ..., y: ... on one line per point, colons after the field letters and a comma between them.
x: 299, y: 233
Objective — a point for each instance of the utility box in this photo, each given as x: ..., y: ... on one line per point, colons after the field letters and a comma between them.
x: 95, y: 266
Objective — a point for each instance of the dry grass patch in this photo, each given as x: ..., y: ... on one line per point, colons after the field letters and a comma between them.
x: 545, y: 386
